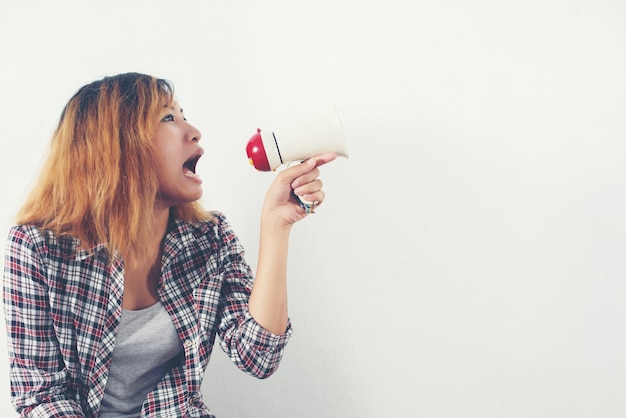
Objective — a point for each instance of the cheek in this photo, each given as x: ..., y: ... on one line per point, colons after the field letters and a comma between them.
x: 163, y: 156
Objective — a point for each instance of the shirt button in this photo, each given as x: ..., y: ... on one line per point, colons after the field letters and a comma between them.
x: 188, y: 343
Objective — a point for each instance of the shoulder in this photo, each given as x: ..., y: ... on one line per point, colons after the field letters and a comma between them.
x: 29, y: 237
x: 23, y: 234
x: 214, y: 234
x: 210, y: 239
x: 216, y: 225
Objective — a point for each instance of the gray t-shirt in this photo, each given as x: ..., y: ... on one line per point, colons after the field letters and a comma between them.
x: 146, y: 348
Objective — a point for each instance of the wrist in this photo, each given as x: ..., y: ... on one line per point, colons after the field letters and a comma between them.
x: 274, y: 221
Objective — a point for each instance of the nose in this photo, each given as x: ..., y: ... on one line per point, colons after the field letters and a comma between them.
x: 194, y: 134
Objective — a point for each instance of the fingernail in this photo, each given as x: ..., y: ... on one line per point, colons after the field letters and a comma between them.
x: 310, y: 161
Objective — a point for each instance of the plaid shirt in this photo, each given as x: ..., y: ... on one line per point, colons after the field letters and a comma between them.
x: 63, y: 308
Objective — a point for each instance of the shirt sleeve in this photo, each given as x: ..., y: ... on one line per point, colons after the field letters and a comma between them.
x: 252, y: 348
x: 39, y: 386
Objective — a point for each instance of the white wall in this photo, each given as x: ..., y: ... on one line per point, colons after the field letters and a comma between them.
x: 469, y: 260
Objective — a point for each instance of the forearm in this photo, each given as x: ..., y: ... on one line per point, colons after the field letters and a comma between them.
x: 268, y: 301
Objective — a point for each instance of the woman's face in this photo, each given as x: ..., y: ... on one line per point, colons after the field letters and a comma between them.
x: 176, y: 153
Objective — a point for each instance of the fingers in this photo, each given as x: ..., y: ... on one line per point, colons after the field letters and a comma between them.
x: 309, y: 205
x: 322, y: 159
x: 309, y: 190
x: 293, y: 171
x: 307, y: 171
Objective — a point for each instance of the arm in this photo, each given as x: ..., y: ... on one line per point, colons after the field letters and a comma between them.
x: 268, y: 301
x: 250, y: 346
x: 38, y: 376
x: 254, y: 327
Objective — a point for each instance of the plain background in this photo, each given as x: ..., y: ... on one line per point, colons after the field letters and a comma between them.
x: 469, y: 259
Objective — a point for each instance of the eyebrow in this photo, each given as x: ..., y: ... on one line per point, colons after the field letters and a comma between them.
x: 173, y: 108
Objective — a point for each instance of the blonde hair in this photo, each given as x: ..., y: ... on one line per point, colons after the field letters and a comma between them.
x: 98, y: 183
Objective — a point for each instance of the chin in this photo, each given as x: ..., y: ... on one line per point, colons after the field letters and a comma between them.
x: 172, y: 201
x: 188, y: 200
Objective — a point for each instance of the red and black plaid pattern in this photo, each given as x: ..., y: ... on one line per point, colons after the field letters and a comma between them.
x: 63, y: 308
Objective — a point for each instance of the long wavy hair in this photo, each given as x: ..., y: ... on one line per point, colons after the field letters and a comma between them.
x: 98, y: 183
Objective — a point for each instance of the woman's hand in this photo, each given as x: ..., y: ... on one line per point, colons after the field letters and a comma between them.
x: 301, y: 179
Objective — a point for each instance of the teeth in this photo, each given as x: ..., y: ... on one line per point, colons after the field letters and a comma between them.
x: 189, y: 173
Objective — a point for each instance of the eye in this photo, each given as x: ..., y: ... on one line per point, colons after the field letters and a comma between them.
x: 168, y: 118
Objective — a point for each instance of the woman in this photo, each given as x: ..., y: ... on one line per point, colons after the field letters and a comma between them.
x: 117, y: 282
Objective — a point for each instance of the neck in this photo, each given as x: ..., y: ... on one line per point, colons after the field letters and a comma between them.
x: 160, y: 221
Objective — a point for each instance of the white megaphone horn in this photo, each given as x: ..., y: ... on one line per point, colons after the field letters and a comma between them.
x: 319, y: 133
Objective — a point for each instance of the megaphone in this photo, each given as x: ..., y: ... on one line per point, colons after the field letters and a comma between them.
x: 320, y: 132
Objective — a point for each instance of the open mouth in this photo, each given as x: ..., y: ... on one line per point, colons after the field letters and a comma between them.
x: 189, y: 167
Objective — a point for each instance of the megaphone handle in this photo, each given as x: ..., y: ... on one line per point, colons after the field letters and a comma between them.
x: 308, y: 206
